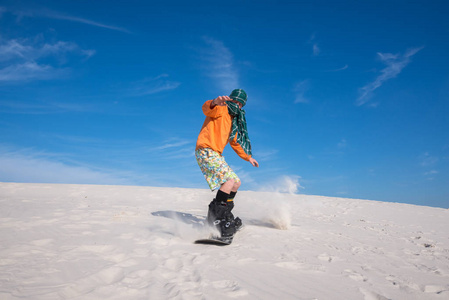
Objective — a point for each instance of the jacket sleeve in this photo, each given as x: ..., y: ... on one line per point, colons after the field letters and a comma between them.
x: 215, y: 112
x: 239, y: 150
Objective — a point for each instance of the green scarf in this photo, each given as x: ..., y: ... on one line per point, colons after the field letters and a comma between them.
x: 239, y: 126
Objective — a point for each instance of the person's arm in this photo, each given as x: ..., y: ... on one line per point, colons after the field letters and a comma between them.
x: 210, y: 108
x: 254, y: 162
x: 219, y: 101
x: 240, y: 152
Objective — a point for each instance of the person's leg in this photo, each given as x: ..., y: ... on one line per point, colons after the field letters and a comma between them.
x: 230, y: 204
x: 220, y: 208
x: 228, y: 186
x: 232, y: 194
x: 236, y: 186
x: 216, y: 171
x: 219, y: 175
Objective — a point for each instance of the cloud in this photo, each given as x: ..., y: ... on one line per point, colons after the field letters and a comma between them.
x: 172, y: 143
x: 339, y: 69
x: 18, y: 107
x: 50, y: 14
x: 395, y: 63
x: 20, y: 59
x: 300, y: 89
x: 60, y: 16
x: 342, y: 144
x: 431, y: 172
x: 428, y: 160
x: 267, y: 155
x: 29, y: 166
x: 430, y: 175
x: 20, y: 50
x: 219, y: 64
x: 149, y: 86
x: 316, y: 50
x: 29, y: 71
x: 174, y: 148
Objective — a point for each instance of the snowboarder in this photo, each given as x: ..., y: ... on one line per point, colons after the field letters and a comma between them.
x: 225, y: 122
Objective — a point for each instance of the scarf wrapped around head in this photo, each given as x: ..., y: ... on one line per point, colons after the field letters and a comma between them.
x: 239, y: 121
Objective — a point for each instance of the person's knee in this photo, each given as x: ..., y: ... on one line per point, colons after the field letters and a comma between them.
x: 230, y: 182
x: 237, y: 185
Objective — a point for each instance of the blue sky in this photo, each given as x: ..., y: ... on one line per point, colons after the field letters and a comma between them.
x: 346, y: 98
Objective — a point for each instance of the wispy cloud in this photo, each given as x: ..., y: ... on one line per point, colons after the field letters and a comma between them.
x: 339, y: 69
x: 50, y: 14
x: 25, y: 50
x: 29, y: 71
x: 20, y: 59
x: 83, y: 162
x: 315, y: 48
x: 61, y: 16
x: 429, y: 163
x: 173, y: 143
x: 300, y: 89
x: 428, y: 160
x: 267, y: 155
x: 37, y: 108
x: 26, y: 165
x: 395, y: 63
x: 149, y: 86
x: 342, y: 144
x: 431, y: 173
x: 174, y: 148
x: 219, y: 64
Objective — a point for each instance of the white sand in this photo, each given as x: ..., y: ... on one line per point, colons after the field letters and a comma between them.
x: 119, y: 242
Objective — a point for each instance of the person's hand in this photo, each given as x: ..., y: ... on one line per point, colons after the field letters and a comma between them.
x: 254, y: 162
x: 221, y: 100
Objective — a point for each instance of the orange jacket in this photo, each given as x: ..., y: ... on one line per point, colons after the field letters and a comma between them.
x: 216, y: 130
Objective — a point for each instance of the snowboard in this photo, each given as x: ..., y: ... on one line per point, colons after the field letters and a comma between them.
x: 217, y: 241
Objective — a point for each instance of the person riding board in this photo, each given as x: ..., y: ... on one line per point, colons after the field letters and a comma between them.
x: 225, y: 123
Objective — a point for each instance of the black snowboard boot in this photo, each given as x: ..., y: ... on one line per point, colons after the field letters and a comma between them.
x: 220, y: 216
x: 230, y: 205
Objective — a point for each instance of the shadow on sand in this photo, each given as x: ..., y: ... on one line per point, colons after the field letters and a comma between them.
x: 195, y: 221
x: 259, y: 223
x: 199, y: 221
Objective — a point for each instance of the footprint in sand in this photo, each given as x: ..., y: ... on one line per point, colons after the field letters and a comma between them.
x: 326, y: 257
x: 354, y: 275
x: 369, y: 295
x: 403, y: 284
x: 230, y: 288
x: 436, y: 289
x: 83, y: 286
x: 139, y: 279
x: 179, y: 276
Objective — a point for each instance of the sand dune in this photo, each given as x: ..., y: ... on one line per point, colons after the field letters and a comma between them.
x: 121, y: 242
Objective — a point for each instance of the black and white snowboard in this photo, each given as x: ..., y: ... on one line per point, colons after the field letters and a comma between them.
x: 220, y: 240
x: 217, y: 241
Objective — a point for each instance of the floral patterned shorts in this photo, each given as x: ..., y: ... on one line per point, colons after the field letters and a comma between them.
x: 214, y: 168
